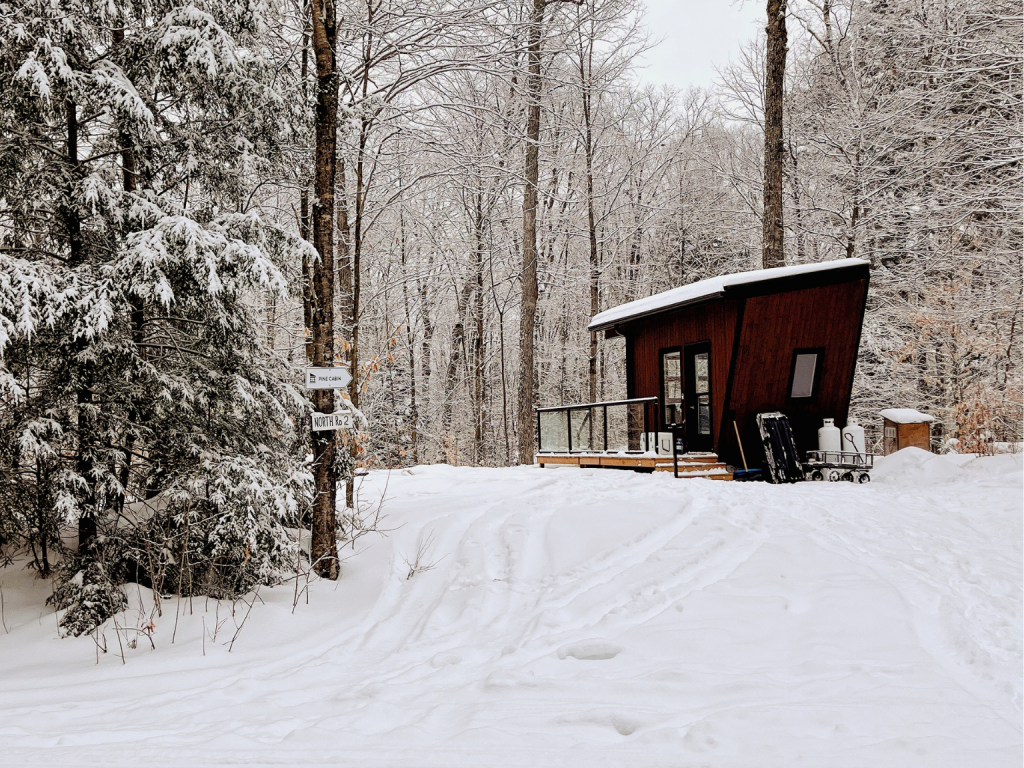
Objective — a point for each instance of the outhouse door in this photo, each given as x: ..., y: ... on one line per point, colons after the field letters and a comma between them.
x: 697, y: 398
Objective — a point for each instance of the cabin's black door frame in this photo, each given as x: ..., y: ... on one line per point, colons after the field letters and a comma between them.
x: 663, y: 423
x: 678, y: 430
x: 699, y: 406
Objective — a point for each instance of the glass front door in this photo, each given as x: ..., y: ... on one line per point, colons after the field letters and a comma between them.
x: 672, y: 389
x: 698, y: 397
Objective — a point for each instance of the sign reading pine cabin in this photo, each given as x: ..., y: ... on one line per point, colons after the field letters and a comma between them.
x: 327, y: 378
x: 703, y: 360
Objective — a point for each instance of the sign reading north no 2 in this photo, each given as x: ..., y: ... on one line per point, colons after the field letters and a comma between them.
x: 327, y: 378
x: 323, y: 422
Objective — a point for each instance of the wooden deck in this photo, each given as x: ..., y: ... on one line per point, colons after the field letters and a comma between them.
x: 704, y: 465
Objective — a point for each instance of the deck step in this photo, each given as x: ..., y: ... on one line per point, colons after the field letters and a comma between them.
x: 697, y: 458
x: 690, y: 467
x: 706, y: 475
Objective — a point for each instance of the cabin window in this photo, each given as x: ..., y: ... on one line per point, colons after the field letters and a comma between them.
x: 806, y: 371
x: 672, y: 387
x: 702, y: 388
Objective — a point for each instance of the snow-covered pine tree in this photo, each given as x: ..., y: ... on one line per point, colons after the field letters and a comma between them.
x: 133, y: 364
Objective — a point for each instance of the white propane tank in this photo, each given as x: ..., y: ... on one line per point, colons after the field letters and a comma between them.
x: 853, y: 437
x: 829, y: 437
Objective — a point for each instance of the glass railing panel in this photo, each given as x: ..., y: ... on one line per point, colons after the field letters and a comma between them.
x: 582, y: 429
x: 597, y: 420
x: 618, y: 433
x: 613, y: 426
x: 634, y: 425
x: 554, y: 431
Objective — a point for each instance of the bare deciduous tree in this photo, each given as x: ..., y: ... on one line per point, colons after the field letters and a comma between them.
x: 774, y: 250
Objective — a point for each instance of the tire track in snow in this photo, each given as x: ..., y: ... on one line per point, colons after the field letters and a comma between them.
x: 632, y: 589
x: 422, y: 671
x: 935, y: 586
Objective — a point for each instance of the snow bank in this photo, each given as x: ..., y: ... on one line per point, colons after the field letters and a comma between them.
x: 915, y: 466
x: 577, y: 618
x: 1008, y: 466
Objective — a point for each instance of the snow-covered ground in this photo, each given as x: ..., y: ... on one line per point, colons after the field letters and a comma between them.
x: 579, y: 618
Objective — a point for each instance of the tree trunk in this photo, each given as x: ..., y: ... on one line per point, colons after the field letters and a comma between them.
x: 801, y: 249
x: 410, y: 338
x: 479, y: 426
x: 528, y: 305
x: 323, y: 547
x: 356, y: 275
x: 129, y: 183
x: 637, y: 241
x: 85, y: 424
x: 595, y: 267
x: 851, y: 237
x: 344, y: 257
x: 346, y: 310
x: 304, y: 233
x: 426, y: 345
x: 451, y: 375
x: 586, y: 70
x: 773, y: 254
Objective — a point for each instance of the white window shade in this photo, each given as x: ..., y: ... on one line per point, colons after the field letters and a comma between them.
x: 805, y: 367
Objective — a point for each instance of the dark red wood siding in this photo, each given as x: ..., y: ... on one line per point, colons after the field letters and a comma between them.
x: 828, y: 317
x: 759, y: 358
x: 714, y: 322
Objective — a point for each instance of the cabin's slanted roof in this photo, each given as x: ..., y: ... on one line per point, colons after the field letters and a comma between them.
x: 712, y: 288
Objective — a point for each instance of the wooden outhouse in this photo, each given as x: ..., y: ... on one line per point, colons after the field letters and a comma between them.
x: 905, y: 427
x: 718, y: 352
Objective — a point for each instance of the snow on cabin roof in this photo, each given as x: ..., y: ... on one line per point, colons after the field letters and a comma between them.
x: 906, y: 416
x: 707, y: 289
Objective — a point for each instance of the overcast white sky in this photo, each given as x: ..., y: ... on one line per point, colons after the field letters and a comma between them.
x: 696, y: 36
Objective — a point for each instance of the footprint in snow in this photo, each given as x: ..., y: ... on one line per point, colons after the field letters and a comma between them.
x: 590, y: 650
x: 700, y: 737
x: 445, y: 659
x: 624, y: 724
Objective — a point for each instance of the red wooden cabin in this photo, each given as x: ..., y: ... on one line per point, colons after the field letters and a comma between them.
x: 723, y: 350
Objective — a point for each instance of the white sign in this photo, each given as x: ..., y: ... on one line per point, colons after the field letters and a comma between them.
x: 323, y: 422
x: 327, y: 378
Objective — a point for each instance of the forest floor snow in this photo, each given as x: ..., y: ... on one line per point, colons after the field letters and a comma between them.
x: 577, y: 618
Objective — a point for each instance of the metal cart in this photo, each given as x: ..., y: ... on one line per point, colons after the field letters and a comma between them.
x: 838, y: 465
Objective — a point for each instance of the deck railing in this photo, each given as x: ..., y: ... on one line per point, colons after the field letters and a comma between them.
x: 613, y: 425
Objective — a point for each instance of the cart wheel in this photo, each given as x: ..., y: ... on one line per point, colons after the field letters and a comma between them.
x: 834, y: 476
x: 816, y: 475
x: 848, y: 477
x: 864, y: 477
